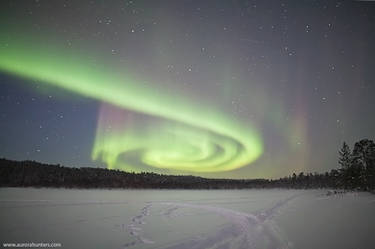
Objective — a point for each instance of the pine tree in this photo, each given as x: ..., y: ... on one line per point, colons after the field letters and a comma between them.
x: 345, y: 157
x: 363, y: 159
x: 345, y: 161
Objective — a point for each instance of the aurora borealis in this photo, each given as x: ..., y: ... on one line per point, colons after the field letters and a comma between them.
x: 199, y: 139
x: 231, y: 89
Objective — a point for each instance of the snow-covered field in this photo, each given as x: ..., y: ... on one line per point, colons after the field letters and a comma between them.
x: 184, y: 219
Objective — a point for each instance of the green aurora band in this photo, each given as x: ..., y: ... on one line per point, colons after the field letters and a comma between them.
x: 184, y: 136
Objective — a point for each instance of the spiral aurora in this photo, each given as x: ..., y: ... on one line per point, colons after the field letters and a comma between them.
x: 184, y: 136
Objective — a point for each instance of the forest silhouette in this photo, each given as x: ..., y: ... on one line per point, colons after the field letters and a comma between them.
x: 356, y: 171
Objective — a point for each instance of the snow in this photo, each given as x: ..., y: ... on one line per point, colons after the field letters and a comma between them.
x: 188, y: 219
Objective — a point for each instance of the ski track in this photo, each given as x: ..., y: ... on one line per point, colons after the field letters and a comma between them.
x: 136, y: 231
x: 243, y: 231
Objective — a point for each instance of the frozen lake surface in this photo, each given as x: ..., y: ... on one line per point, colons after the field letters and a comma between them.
x: 187, y: 219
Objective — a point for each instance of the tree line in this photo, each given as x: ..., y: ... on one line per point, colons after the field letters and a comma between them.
x: 357, y: 167
x: 356, y: 172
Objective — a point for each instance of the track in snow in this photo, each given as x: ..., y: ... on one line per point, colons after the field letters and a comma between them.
x: 242, y: 231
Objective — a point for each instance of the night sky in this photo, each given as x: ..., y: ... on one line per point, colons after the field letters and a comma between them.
x: 229, y: 89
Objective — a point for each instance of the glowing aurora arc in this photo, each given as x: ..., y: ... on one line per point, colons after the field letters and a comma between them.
x: 187, y: 136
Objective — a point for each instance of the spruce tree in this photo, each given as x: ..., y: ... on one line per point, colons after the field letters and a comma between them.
x: 345, y: 157
x: 345, y: 161
x: 363, y: 159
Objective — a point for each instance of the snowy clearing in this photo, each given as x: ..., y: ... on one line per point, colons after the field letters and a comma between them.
x: 184, y: 219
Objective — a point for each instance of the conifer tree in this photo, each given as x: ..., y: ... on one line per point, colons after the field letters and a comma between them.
x: 345, y: 157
